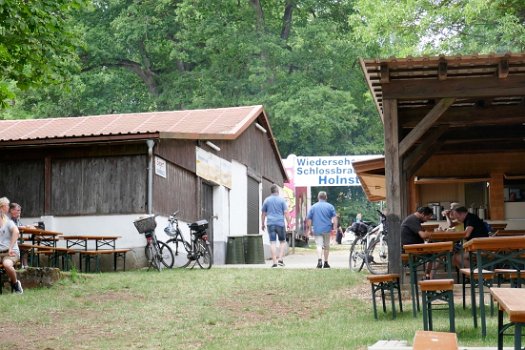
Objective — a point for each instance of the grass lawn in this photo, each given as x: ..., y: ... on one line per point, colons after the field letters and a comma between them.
x: 219, y: 308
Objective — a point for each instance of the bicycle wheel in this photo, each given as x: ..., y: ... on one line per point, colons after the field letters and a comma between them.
x: 166, y: 255
x: 376, y: 256
x: 204, y: 258
x: 180, y: 249
x: 153, y: 256
x: 357, y: 254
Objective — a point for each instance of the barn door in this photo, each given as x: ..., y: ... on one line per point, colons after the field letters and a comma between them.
x: 253, y: 206
x: 207, y: 208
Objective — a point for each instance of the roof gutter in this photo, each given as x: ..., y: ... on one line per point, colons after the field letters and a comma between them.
x: 150, y: 144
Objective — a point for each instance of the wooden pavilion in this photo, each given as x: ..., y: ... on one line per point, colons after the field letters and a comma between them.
x: 454, y: 127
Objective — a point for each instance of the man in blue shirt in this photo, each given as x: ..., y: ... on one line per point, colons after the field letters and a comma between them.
x: 321, y: 221
x: 274, y: 211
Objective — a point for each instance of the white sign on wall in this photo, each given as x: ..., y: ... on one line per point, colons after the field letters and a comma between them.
x: 327, y: 171
x: 213, y: 168
x: 160, y: 167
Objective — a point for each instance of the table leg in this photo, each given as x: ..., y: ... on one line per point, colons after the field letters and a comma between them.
x: 517, y: 336
x: 500, y: 329
x: 481, y: 297
x: 413, y: 282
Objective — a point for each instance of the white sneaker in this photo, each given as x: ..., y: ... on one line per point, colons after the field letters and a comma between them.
x: 17, y: 287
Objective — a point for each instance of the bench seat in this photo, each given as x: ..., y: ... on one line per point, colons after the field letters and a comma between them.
x: 428, y: 340
x: 87, y: 255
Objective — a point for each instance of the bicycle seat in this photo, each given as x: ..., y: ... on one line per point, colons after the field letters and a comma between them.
x: 200, y: 225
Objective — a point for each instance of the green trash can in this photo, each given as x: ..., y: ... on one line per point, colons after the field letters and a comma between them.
x: 235, y: 250
x: 254, y: 249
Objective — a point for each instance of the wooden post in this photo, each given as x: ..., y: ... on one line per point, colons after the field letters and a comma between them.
x: 393, y: 181
x: 496, y: 200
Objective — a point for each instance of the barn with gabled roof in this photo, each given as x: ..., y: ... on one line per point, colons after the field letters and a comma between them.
x: 96, y: 174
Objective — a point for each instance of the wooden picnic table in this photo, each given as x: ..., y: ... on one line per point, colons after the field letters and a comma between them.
x: 500, y: 233
x: 487, y: 253
x: 55, y: 252
x: 420, y: 255
x: 48, y: 238
x: 104, y: 245
x: 429, y: 227
x: 512, y: 302
x: 101, y: 241
x: 496, y: 226
x: 444, y: 236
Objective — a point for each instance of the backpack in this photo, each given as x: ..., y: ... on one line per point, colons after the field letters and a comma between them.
x: 359, y: 228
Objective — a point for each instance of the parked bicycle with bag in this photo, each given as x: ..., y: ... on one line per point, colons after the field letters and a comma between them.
x: 197, y: 250
x: 158, y: 253
x: 370, y: 247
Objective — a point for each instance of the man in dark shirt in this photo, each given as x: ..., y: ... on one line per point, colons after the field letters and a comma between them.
x: 411, y: 230
x: 413, y: 233
x: 474, y: 228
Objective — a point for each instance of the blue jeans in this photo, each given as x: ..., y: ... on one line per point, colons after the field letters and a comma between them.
x: 274, y: 231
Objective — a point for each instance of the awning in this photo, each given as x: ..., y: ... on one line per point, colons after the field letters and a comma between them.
x: 371, y: 174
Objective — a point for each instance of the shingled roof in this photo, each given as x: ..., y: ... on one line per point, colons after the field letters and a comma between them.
x: 212, y: 124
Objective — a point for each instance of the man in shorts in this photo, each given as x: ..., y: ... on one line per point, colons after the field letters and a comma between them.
x: 321, y: 220
x: 9, y: 252
x: 273, y: 214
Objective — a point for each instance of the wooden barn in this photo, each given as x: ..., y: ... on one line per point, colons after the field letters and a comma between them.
x: 96, y: 174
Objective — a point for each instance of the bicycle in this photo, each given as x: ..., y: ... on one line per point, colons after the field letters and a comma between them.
x: 359, y: 245
x: 369, y: 247
x: 376, y: 257
x: 158, y: 253
x: 197, y: 250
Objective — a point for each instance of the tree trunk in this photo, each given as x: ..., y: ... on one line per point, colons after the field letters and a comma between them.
x: 259, y: 14
x: 287, y: 19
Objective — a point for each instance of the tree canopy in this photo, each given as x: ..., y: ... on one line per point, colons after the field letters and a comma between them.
x: 38, y: 44
x: 299, y: 58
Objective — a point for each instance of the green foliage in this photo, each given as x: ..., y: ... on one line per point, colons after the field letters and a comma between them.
x: 38, y: 44
x: 164, y: 55
x: 402, y: 28
x: 297, y: 58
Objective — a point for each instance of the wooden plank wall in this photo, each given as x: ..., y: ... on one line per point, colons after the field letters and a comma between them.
x: 475, y: 165
x: 254, y: 150
x: 23, y: 182
x: 99, y: 185
x: 178, y: 152
x: 178, y: 191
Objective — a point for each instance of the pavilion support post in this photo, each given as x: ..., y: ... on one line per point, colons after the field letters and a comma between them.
x: 496, y: 197
x: 394, y: 182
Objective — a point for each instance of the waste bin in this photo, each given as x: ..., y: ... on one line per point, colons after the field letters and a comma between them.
x: 235, y: 250
x: 254, y: 253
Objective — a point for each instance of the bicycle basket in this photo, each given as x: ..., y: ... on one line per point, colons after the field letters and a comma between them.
x: 145, y: 224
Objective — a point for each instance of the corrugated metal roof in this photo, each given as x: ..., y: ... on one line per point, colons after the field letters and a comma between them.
x: 220, y: 123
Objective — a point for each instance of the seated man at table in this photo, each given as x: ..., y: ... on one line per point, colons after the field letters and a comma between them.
x: 413, y: 233
x: 474, y: 228
x: 15, y: 211
x: 452, y: 223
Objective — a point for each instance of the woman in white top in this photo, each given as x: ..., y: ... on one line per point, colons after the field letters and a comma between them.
x: 9, y: 252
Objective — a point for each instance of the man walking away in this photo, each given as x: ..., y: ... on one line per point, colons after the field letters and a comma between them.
x: 275, y: 211
x: 321, y: 220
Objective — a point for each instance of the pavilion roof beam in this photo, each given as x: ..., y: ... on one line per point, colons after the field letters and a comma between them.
x: 415, y: 159
x: 425, y: 124
x: 460, y: 87
x: 458, y: 116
